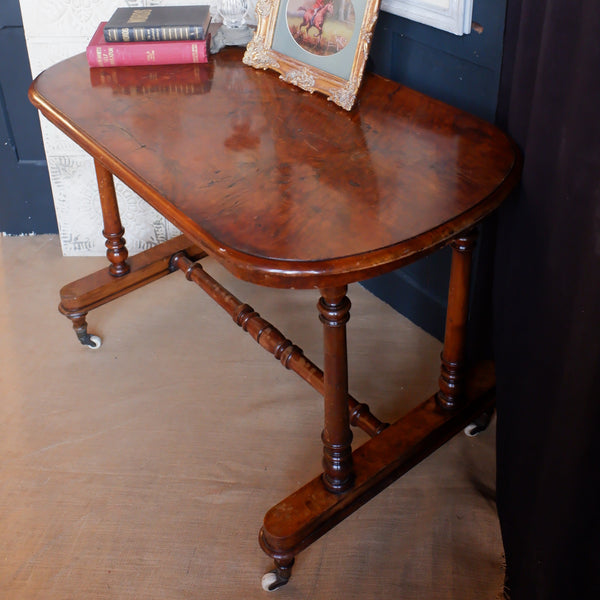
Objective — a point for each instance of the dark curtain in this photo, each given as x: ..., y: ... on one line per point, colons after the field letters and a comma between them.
x: 547, y: 303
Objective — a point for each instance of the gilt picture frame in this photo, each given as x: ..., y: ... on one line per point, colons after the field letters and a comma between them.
x: 317, y: 45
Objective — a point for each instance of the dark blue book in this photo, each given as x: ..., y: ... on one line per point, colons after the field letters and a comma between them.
x: 158, y: 23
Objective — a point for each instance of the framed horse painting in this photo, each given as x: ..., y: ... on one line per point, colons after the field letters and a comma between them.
x: 317, y: 45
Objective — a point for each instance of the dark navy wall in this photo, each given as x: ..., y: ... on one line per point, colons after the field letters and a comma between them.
x: 25, y: 198
x: 463, y: 71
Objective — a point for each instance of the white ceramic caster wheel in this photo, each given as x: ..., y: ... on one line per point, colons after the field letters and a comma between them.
x: 479, y: 424
x: 473, y: 430
x: 272, y: 581
x: 94, y: 343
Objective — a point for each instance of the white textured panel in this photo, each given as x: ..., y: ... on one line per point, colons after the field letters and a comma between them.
x: 44, y: 52
x: 77, y: 205
x: 57, y: 18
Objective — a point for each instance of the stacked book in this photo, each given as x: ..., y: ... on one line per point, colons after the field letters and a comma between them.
x: 160, y: 35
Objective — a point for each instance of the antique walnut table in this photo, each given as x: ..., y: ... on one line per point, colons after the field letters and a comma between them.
x: 287, y: 190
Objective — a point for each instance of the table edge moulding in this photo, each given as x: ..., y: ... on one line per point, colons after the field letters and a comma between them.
x: 288, y: 190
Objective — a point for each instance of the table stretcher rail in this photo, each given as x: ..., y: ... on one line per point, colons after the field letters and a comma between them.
x: 272, y: 340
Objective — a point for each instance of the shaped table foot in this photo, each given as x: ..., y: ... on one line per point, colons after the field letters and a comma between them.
x: 80, y: 328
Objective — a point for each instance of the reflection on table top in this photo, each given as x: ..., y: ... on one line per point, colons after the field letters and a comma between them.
x: 283, y: 187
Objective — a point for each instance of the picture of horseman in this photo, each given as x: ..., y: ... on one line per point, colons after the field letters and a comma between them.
x: 321, y: 27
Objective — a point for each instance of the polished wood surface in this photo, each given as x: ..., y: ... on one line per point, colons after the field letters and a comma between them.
x: 287, y: 190
x: 283, y: 187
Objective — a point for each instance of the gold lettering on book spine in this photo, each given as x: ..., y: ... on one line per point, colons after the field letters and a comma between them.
x: 139, y: 15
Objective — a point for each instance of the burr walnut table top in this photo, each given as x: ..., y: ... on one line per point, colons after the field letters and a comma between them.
x: 285, y: 188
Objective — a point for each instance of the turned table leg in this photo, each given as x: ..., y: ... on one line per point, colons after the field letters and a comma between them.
x: 113, y: 229
x: 350, y: 479
x: 338, y: 474
x: 116, y: 252
x: 452, y: 377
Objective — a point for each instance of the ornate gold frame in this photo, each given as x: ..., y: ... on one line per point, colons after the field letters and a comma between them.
x: 260, y: 54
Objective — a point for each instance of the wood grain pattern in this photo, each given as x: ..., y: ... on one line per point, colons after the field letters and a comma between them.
x: 283, y: 187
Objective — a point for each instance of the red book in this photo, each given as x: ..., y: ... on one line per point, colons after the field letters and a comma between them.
x: 101, y: 53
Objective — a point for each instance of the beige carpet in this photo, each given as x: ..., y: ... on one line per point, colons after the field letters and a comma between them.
x: 143, y: 470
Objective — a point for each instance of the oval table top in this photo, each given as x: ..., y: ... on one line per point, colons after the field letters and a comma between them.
x: 283, y: 187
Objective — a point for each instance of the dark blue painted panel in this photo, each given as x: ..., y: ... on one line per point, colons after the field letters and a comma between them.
x: 10, y: 14
x: 25, y: 197
x: 418, y: 291
x: 15, y: 77
x: 446, y: 66
x: 456, y: 80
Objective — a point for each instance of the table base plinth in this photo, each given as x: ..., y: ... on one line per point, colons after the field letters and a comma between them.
x: 311, y: 511
x: 101, y: 287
